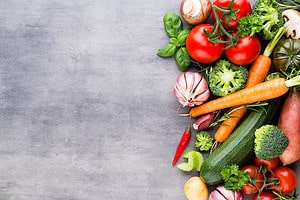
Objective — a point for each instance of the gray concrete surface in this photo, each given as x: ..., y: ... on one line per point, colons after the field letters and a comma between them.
x: 86, y: 107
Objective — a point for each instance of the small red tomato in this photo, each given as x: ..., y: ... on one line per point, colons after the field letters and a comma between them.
x: 200, y: 48
x: 264, y: 196
x: 270, y: 164
x: 243, y: 8
x: 245, y: 51
x: 258, y: 179
x: 287, y: 179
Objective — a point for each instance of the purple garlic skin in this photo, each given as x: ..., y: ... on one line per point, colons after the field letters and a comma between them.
x: 220, y: 193
x: 204, y: 121
x: 191, y: 89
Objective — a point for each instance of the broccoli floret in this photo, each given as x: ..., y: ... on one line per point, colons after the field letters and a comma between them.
x: 269, y: 14
x: 226, y: 77
x: 265, y: 20
x: 270, y: 142
x: 203, y: 141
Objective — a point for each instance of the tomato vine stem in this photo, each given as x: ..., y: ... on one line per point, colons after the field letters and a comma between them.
x: 219, y: 34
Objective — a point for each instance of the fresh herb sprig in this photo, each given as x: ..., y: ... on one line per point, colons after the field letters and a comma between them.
x: 174, y: 28
x: 234, y: 178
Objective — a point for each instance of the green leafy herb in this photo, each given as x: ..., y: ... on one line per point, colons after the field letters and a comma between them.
x: 176, y: 47
x: 172, y: 23
x: 183, y: 35
x: 182, y: 59
x: 234, y: 178
x: 168, y: 51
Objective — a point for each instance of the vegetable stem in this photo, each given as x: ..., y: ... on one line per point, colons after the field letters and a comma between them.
x: 288, y: 4
x: 295, y: 81
x: 271, y: 45
x: 219, y: 31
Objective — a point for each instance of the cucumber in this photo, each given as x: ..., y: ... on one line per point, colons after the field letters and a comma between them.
x: 239, y: 147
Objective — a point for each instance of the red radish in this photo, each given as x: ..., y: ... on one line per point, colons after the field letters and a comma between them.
x: 289, y: 123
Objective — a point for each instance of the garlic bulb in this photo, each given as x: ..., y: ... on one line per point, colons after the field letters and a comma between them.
x: 191, y: 89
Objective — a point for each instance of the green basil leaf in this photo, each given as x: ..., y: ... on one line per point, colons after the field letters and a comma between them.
x: 172, y: 23
x: 167, y: 51
x: 183, y: 35
x: 175, y: 42
x: 182, y: 59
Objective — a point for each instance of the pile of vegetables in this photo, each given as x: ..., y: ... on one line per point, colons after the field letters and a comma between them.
x: 239, y: 79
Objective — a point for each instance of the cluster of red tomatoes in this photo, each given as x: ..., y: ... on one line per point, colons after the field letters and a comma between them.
x: 203, y: 50
x: 275, y: 178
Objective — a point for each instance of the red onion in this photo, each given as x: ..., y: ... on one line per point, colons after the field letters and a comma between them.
x: 204, y: 121
x: 220, y: 193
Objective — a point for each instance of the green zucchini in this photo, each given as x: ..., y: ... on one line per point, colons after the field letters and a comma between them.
x: 238, y: 148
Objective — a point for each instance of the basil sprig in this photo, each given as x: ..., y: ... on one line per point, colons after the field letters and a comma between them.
x: 174, y: 28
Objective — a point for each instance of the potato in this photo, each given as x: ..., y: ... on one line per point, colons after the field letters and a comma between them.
x: 196, y: 189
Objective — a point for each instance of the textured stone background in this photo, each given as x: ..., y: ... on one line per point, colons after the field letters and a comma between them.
x: 86, y: 106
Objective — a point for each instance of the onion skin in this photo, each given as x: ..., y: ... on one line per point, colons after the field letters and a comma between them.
x: 204, y: 121
x: 191, y: 89
x: 289, y: 123
x: 220, y: 193
x: 195, y: 12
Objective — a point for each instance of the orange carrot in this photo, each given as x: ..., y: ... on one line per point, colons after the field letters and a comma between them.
x: 260, y: 92
x: 258, y: 70
x: 257, y: 73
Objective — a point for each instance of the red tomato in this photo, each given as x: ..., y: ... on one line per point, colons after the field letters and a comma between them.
x: 243, y: 6
x: 245, y: 51
x: 257, y: 176
x: 270, y: 164
x: 200, y: 48
x: 287, y: 179
x: 265, y: 196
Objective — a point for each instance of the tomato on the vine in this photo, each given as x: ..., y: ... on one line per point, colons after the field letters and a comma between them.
x: 287, y: 179
x: 243, y: 8
x: 245, y: 51
x: 200, y: 48
x: 257, y: 178
x: 264, y: 196
x: 270, y: 164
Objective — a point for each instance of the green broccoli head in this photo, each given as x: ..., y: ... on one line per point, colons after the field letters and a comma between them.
x: 203, y: 141
x: 270, y: 15
x: 270, y: 142
x: 225, y: 78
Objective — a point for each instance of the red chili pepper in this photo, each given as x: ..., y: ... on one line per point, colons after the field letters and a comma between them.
x: 182, y: 145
